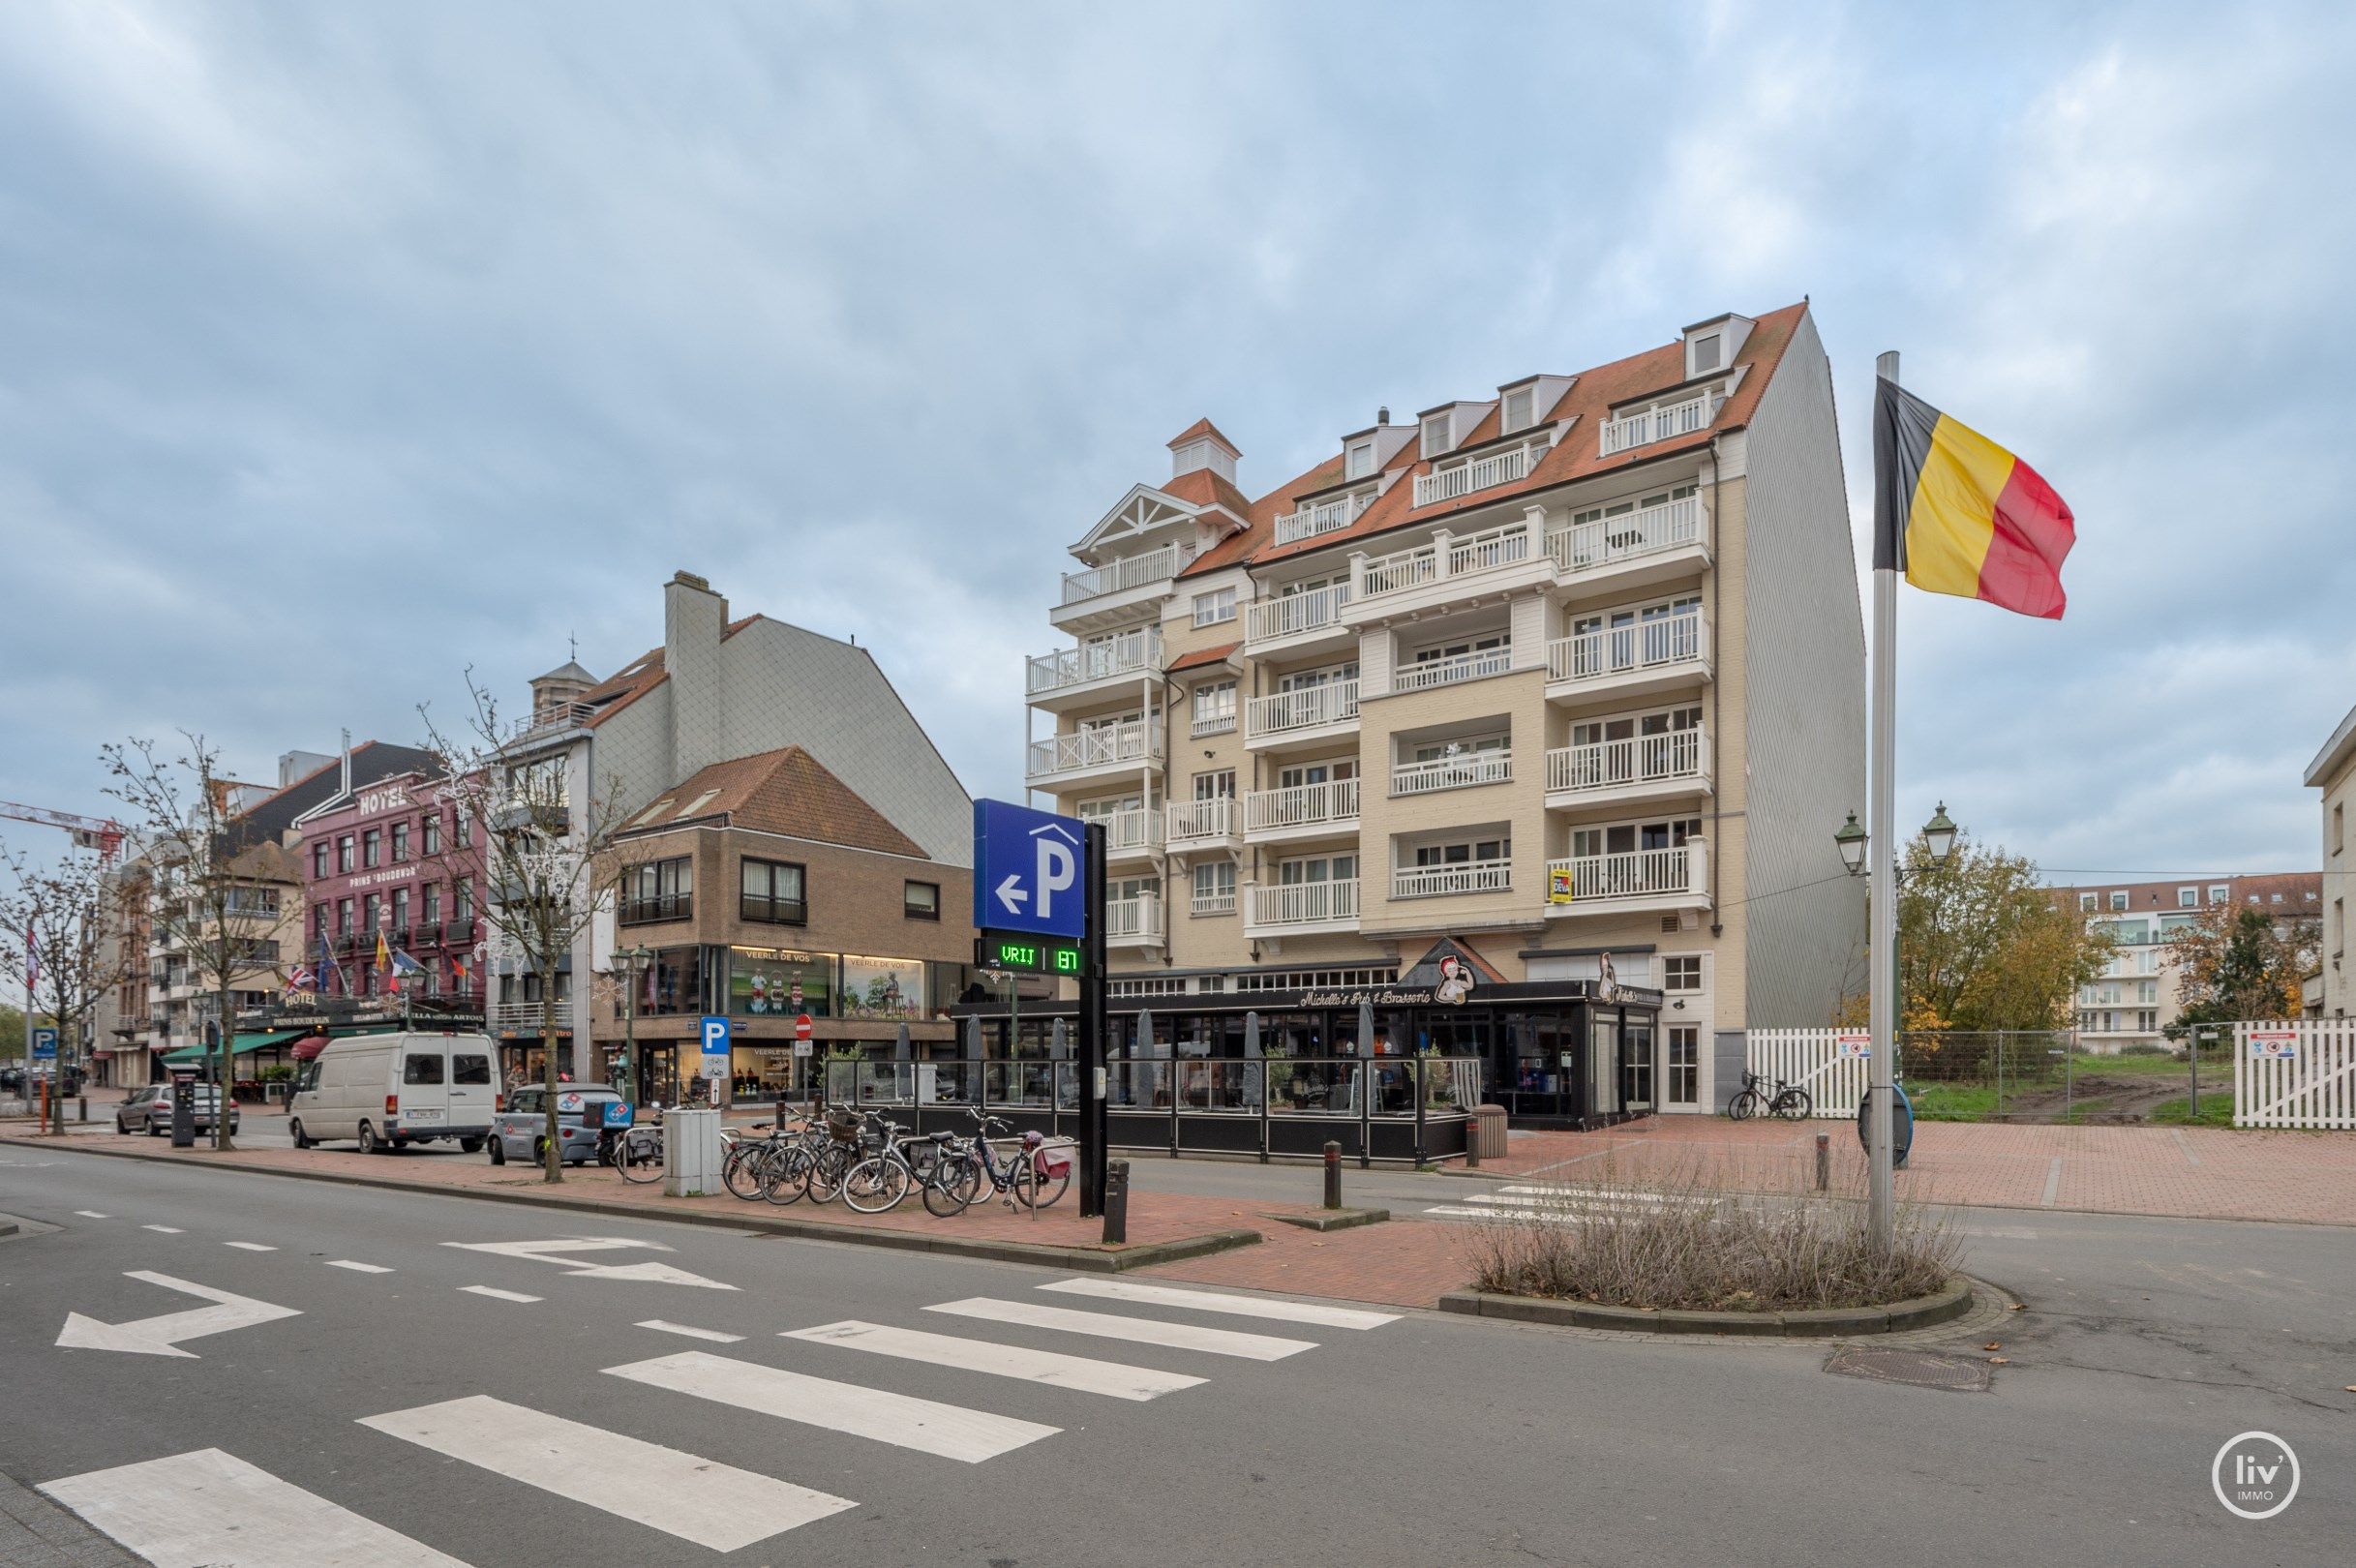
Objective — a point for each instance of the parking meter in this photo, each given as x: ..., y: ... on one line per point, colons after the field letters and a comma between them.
x: 184, y: 1108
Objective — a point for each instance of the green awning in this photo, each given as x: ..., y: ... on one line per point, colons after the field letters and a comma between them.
x: 186, y: 1056
x: 256, y: 1043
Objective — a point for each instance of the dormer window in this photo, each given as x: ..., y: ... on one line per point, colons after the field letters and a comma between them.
x: 1521, y: 408
x: 1707, y: 351
x: 1711, y: 345
x: 1359, y: 461
x: 1437, y: 437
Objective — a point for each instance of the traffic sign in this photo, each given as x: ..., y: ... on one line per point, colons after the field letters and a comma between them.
x: 715, y: 1036
x: 1029, y: 954
x: 44, y: 1045
x: 803, y: 1029
x: 1028, y: 870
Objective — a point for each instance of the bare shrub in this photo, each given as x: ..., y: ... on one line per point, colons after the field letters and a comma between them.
x: 1681, y: 1242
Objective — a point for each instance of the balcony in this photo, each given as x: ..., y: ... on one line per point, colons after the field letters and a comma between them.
x: 1297, y: 622
x: 1303, y: 716
x: 1204, y: 905
x: 1071, y: 675
x: 1423, y: 675
x: 1326, y: 517
x: 1481, y: 474
x: 1630, y: 881
x: 1303, y: 811
x: 1131, y: 835
x: 557, y: 718
x: 1452, y: 772
x: 1652, y: 544
x: 1646, y: 426
x: 1133, y: 923
x: 1082, y: 755
x: 1450, y: 568
x: 1666, y: 654
x: 1199, y: 824
x: 524, y: 1017
x: 1639, y: 768
x: 1300, y: 906
x: 1446, y: 881
x: 1118, y: 589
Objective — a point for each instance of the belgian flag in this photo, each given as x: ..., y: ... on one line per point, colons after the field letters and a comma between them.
x: 1958, y: 514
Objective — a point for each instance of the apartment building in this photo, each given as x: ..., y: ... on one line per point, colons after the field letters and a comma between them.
x: 390, y: 859
x: 1564, y: 680
x: 2134, y: 1000
x: 2334, y: 773
x: 716, y: 690
x: 766, y: 891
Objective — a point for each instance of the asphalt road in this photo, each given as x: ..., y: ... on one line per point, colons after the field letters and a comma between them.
x: 1424, y: 1441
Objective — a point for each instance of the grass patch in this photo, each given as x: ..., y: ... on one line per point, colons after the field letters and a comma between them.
x: 1679, y: 1243
x: 2216, y: 1110
x: 1952, y: 1102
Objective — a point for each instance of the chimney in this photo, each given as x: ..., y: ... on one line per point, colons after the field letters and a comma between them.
x: 694, y: 617
x: 1383, y: 415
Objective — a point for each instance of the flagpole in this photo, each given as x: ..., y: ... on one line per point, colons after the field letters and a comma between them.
x: 1881, y: 828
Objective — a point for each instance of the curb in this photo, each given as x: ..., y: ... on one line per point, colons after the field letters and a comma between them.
x: 1079, y: 1259
x: 1332, y: 1219
x: 1918, y: 1312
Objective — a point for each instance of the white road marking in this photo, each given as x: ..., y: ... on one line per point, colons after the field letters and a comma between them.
x: 1076, y: 1372
x: 1209, y: 1301
x: 691, y: 1497
x: 1216, y: 1342
x: 93, y: 1214
x: 160, y: 1336
x: 949, y: 1431
x: 497, y: 1294
x: 692, y: 1333
x: 357, y: 1268
x: 168, y: 1231
x: 544, y: 1252
x: 1545, y: 1215
x: 207, y: 1507
x: 251, y: 1247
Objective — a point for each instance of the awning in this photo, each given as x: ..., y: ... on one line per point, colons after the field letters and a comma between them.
x: 308, y: 1047
x: 259, y: 1042
x: 186, y: 1056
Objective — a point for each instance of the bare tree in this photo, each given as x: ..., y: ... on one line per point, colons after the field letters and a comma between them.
x: 59, y: 926
x: 543, y: 836
x: 216, y: 883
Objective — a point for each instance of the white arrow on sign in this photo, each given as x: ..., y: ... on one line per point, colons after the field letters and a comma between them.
x: 546, y: 1252
x: 1012, y: 894
x: 160, y: 1336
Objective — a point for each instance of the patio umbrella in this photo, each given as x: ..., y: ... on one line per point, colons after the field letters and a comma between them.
x: 899, y: 1046
x: 1251, y: 1035
x: 1145, y: 1032
x: 1059, y: 1048
x: 1366, y: 1029
x: 973, y: 1039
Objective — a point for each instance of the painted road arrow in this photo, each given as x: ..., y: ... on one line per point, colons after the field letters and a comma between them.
x: 160, y: 1336
x: 547, y: 1252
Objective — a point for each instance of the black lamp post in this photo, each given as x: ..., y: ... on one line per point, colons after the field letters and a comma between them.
x: 632, y: 962
x: 1938, y: 839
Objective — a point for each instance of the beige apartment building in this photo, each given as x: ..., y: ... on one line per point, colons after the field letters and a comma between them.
x: 1568, y: 674
x: 2334, y: 773
x: 2134, y: 1000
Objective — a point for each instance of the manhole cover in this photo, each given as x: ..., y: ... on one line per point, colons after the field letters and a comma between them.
x: 1917, y: 1368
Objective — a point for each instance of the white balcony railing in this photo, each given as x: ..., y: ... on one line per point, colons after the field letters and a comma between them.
x: 1214, y: 818
x: 1643, y: 759
x: 1422, y: 675
x: 1305, y: 903
x: 1131, y: 832
x: 1463, y: 877
x: 1648, y: 425
x: 1212, y: 903
x: 1663, y: 643
x: 1133, y: 919
x: 1482, y: 472
x: 526, y: 1016
x: 1133, y: 653
x: 1653, y: 873
x: 1288, y: 613
x: 1305, y: 708
x: 1303, y: 805
x: 1446, y: 558
x: 1326, y: 517
x: 554, y: 718
x: 1648, y: 531
x: 1129, y: 572
x: 1135, y: 742
x: 1452, y: 772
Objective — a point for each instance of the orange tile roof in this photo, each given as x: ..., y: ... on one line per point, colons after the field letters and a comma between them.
x: 1577, y: 456
x: 1203, y: 427
x: 786, y: 791
x: 1200, y: 487
x: 1202, y: 656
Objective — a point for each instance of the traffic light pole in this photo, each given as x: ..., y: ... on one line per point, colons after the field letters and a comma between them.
x: 1092, y: 1124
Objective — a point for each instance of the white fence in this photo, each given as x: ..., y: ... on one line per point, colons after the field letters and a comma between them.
x: 1810, y: 1059
x: 2296, y: 1074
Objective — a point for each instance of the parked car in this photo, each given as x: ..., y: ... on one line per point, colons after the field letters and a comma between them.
x: 388, y: 1091
x: 149, y: 1110
x: 584, y: 1116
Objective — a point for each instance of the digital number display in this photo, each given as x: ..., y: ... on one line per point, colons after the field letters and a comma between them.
x: 1030, y: 956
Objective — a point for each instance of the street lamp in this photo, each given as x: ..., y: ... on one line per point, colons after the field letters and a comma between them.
x: 1851, y: 842
x: 1938, y: 839
x: 1939, y: 836
x: 632, y: 960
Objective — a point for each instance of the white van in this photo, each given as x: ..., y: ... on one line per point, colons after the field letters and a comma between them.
x: 385, y: 1091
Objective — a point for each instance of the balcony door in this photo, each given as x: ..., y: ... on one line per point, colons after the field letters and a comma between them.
x: 1317, y: 773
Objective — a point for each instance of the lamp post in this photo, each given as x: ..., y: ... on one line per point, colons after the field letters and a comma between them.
x: 1855, y: 846
x: 632, y: 961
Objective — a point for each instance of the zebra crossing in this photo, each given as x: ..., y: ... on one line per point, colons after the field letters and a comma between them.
x: 1556, y: 1205
x: 210, y: 1506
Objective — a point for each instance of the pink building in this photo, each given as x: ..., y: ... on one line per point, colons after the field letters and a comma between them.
x: 390, y: 859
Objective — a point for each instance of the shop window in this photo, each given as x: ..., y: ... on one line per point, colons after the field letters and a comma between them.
x: 921, y: 900
x: 771, y: 892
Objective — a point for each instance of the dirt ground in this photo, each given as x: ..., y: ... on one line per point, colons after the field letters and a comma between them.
x: 2109, y: 1098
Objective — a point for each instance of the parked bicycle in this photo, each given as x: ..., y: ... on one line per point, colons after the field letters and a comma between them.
x: 1771, y: 1096
x: 1035, y: 1175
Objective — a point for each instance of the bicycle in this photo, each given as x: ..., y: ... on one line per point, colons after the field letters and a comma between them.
x: 1035, y: 1176
x: 1788, y: 1100
x: 881, y: 1181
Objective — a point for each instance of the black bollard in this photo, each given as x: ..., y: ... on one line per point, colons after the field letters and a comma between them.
x: 1116, y: 1203
x: 1824, y: 1162
x: 1333, y: 1174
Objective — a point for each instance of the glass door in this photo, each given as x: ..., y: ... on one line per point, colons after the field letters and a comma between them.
x: 1636, y: 1066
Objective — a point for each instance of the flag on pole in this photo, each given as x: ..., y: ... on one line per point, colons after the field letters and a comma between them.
x: 1958, y: 514
x: 384, y: 951
x: 404, y: 966
x: 301, y: 979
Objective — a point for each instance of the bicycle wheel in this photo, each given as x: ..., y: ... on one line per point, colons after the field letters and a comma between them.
x: 876, y: 1185
x: 828, y: 1168
x: 638, y: 1154
x: 1745, y: 1106
x: 1795, y: 1104
x: 1047, y: 1187
x: 785, y: 1177
x: 946, y: 1192
x: 741, y: 1172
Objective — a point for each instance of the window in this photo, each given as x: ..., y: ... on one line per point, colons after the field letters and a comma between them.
x: 1437, y: 434
x: 431, y: 832
x: 2217, y: 892
x: 2340, y: 926
x: 1215, y: 887
x: 370, y: 903
x: 1705, y: 351
x: 1215, y: 707
x: 772, y: 892
x: 401, y: 909
x: 1210, y: 608
x: 1684, y: 1064
x: 401, y: 842
x: 921, y: 900
x: 432, y: 915
x: 658, y: 890
x: 465, y: 827
x: 2118, y: 902
x: 464, y: 900
x: 2188, y: 897
x: 469, y: 1069
x: 2339, y: 825
x: 2147, y: 1020
x: 344, y: 852
x: 1359, y: 461
x: 2086, y: 901
x: 371, y: 847
x: 1462, y: 852
x: 421, y: 1069
x: 1219, y: 784
x: 1681, y: 972
x: 1519, y: 411
x: 344, y: 917
x: 319, y: 859
x: 319, y: 922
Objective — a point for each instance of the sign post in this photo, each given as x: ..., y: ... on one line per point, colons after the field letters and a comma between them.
x: 715, y: 1060
x: 1093, y: 1127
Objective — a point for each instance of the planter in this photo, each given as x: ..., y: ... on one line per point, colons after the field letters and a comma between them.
x: 1920, y: 1311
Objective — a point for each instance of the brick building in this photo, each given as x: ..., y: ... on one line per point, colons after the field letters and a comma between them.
x: 386, y: 856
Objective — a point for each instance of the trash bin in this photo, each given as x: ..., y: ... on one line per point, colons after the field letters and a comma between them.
x: 1487, y: 1131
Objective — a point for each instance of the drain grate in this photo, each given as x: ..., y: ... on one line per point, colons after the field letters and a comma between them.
x: 1916, y: 1368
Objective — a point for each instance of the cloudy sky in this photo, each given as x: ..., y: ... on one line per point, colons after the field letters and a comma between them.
x: 344, y: 346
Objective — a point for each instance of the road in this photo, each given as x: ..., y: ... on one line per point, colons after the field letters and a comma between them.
x: 417, y: 1396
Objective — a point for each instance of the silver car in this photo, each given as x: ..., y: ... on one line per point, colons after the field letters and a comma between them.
x: 149, y: 1110
x: 519, y: 1127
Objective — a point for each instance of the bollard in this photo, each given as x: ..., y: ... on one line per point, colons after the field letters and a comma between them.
x: 1824, y: 1161
x: 1333, y: 1174
x: 1472, y: 1140
x: 1116, y: 1203
x: 780, y: 1123
x: 83, y: 1103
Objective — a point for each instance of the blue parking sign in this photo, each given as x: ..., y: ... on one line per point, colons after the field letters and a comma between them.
x: 715, y: 1036
x: 44, y: 1045
x: 1028, y: 870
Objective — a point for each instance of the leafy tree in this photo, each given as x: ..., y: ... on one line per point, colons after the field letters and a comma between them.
x: 2233, y: 963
